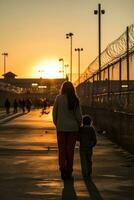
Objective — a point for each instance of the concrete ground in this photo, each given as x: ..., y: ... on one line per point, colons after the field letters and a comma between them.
x: 29, y: 165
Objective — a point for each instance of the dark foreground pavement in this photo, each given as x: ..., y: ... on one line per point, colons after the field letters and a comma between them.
x: 29, y: 169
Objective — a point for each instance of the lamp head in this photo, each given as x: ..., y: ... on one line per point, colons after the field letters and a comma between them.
x: 67, y: 35
x: 95, y: 12
x: 4, y: 54
x: 102, y: 11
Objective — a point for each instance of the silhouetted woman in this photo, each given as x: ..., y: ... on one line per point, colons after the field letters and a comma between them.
x: 67, y: 119
x: 7, y: 106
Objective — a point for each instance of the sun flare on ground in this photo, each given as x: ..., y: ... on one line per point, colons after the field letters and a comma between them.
x: 49, y: 69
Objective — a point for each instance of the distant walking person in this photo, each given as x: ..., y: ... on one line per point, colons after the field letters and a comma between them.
x: 15, y: 105
x: 88, y: 140
x: 67, y: 119
x: 28, y: 105
x: 44, y: 106
x: 22, y: 105
x: 7, y: 106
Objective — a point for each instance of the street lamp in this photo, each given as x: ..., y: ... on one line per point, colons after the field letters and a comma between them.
x: 69, y: 35
x: 79, y: 50
x: 62, y: 60
x: 99, y: 12
x: 4, y: 55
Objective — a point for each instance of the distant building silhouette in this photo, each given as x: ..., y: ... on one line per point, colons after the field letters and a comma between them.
x: 33, y: 88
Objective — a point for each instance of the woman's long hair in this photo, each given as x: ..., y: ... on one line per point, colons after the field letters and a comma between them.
x: 68, y: 89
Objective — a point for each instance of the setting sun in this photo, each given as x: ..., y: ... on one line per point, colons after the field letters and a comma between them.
x: 49, y: 69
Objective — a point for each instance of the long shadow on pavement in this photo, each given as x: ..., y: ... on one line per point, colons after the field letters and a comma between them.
x: 68, y: 192
x: 93, y: 190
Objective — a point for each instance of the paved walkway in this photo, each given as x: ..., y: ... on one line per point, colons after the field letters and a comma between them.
x: 29, y: 170
x: 4, y: 117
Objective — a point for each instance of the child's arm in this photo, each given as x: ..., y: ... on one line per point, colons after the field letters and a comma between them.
x: 94, y: 138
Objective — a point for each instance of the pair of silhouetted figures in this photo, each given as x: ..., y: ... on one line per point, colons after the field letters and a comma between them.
x: 25, y: 105
x: 8, y: 106
x: 71, y: 126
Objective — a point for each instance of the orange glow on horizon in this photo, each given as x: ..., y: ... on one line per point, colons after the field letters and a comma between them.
x: 48, y: 69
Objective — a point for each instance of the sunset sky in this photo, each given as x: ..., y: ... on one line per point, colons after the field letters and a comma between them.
x: 33, y: 33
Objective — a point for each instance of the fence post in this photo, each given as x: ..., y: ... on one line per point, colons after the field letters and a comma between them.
x: 108, y: 82
x: 127, y: 39
x: 120, y: 83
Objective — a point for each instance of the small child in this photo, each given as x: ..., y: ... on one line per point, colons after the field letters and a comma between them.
x: 88, y: 140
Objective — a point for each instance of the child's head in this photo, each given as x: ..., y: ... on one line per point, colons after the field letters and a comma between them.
x: 87, y: 120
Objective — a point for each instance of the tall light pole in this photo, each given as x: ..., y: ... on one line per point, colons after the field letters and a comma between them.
x: 66, y: 66
x: 4, y: 55
x: 99, y: 12
x: 70, y: 35
x: 62, y: 60
x: 79, y: 50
